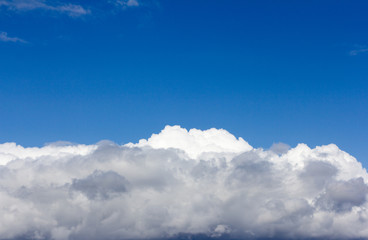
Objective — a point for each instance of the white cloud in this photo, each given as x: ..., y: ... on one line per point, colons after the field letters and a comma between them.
x: 279, y: 148
x: 5, y: 38
x: 195, y: 142
x: 180, y: 183
x: 72, y: 10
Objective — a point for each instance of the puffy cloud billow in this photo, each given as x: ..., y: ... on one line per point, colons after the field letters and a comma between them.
x: 181, y: 184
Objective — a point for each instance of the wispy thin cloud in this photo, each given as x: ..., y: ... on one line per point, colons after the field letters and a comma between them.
x: 71, y: 10
x: 5, y: 38
x: 359, y: 50
x: 123, y: 4
x: 132, y: 3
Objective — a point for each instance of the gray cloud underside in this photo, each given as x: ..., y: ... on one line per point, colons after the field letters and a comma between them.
x: 108, y: 191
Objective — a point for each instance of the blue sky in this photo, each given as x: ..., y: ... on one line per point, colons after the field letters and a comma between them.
x: 268, y: 71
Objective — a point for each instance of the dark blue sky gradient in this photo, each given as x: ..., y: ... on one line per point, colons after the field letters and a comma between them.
x: 267, y: 71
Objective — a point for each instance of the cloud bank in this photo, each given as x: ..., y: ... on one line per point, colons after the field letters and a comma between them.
x: 181, y: 184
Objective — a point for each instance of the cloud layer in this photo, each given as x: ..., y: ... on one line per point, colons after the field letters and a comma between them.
x: 181, y: 183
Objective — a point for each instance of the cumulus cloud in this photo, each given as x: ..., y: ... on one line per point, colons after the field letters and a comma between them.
x: 279, y: 148
x: 5, y: 38
x: 181, y: 184
x: 195, y: 142
x: 70, y: 9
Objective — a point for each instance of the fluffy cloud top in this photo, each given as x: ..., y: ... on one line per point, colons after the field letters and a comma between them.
x: 195, y: 142
x: 181, y: 183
